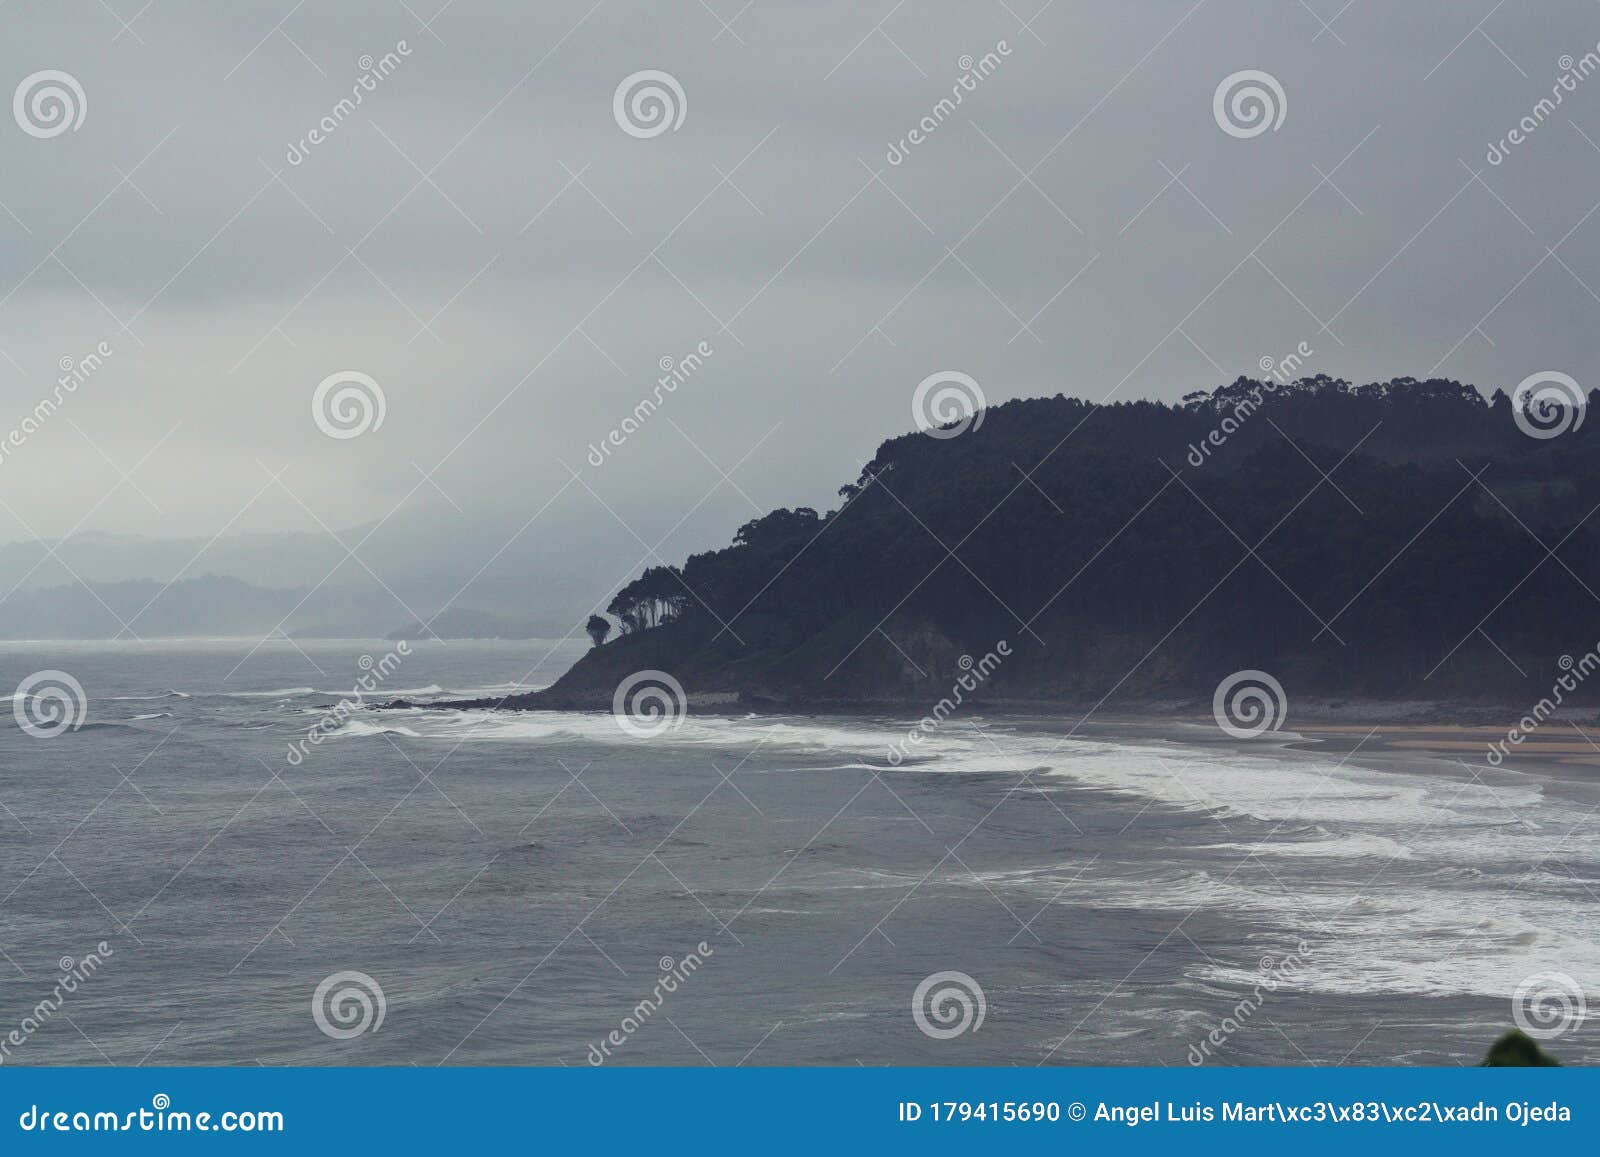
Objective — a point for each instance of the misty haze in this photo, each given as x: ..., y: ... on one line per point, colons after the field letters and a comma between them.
x: 805, y: 534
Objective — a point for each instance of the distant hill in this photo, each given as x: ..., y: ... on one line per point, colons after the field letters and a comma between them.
x: 215, y: 605
x: 1404, y: 538
x: 200, y: 606
x: 308, y: 584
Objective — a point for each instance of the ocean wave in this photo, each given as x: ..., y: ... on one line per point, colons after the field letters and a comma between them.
x: 1356, y: 846
x: 356, y: 728
x: 1430, y: 958
x: 493, y: 689
x: 865, y: 746
x: 378, y: 693
x: 1292, y: 789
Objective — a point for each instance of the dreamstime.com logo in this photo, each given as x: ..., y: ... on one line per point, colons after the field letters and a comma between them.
x: 972, y: 72
x: 674, y: 973
x: 1249, y: 102
x: 48, y: 703
x: 974, y: 673
x: 1548, y: 1004
x: 1573, y: 73
x: 674, y: 373
x: 1280, y: 370
x: 1249, y: 703
x: 348, y: 404
x: 375, y: 671
x: 1576, y: 671
x: 373, y: 72
x: 1548, y: 404
x: 947, y: 404
x: 649, y: 703
x: 160, y: 1117
x: 1272, y: 975
x: 347, y: 1004
x: 648, y: 103
x: 73, y: 974
x: 948, y: 1004
x: 49, y: 103
x: 74, y: 373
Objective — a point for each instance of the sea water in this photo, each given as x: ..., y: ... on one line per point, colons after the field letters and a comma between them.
x: 551, y: 888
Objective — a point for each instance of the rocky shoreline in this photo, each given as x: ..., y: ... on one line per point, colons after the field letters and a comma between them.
x: 1310, y: 712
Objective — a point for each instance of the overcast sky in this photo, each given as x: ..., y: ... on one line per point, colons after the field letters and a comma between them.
x: 485, y: 241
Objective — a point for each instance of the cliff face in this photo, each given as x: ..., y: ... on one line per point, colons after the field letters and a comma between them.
x: 899, y: 664
x: 916, y: 666
x: 1396, y: 541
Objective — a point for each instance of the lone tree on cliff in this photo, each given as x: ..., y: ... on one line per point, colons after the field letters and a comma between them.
x: 655, y: 597
x: 598, y: 628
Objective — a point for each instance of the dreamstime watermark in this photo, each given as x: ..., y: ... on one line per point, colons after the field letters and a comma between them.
x: 49, y: 103
x: 1548, y: 404
x: 347, y: 1004
x: 1573, y: 73
x: 73, y: 974
x: 1249, y: 703
x: 948, y: 1004
x: 649, y: 703
x: 1548, y: 1004
x: 48, y: 703
x: 1273, y: 974
x: 673, y: 974
x: 372, y: 73
x: 74, y: 373
x: 377, y: 670
x: 348, y: 404
x: 1249, y: 102
x: 1281, y: 372
x: 156, y: 1119
x: 648, y: 103
x: 673, y: 375
x: 972, y: 71
x: 947, y: 404
x: 974, y: 674
x: 1577, y: 670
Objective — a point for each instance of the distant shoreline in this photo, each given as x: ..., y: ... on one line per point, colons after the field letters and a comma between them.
x: 1325, y: 714
x: 1362, y: 729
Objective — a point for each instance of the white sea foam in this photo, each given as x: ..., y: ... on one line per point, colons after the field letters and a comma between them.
x: 868, y: 741
x: 493, y: 689
x: 357, y: 728
x: 1408, y: 882
x: 1359, y: 845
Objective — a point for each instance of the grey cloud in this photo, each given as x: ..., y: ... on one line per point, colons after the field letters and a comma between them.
x: 1188, y: 255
